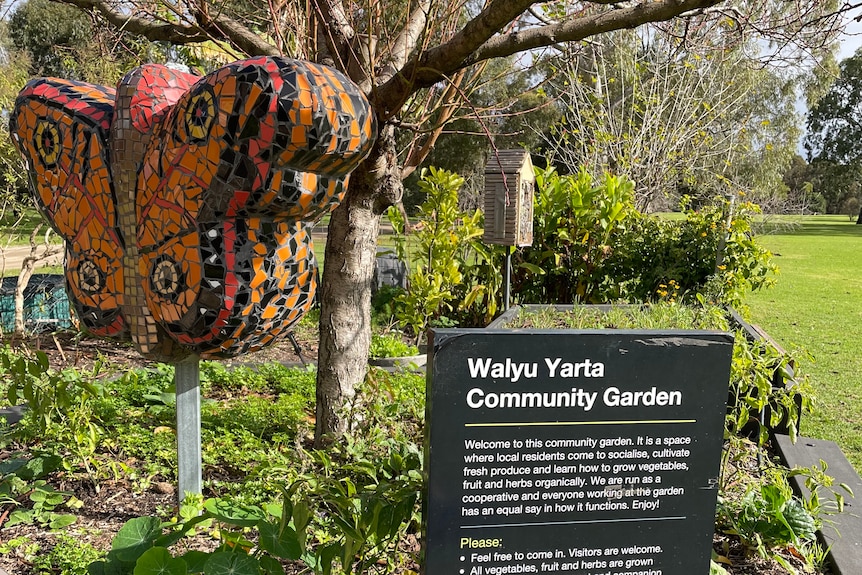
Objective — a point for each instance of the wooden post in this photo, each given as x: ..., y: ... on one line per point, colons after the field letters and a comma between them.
x: 187, y: 379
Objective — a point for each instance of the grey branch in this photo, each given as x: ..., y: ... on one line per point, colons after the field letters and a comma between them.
x: 207, y: 28
x: 480, y: 40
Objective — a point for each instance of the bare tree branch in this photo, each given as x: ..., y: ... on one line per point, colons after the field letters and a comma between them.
x: 207, y: 28
x: 338, y: 31
x: 580, y: 28
x: 408, y: 40
x: 477, y: 41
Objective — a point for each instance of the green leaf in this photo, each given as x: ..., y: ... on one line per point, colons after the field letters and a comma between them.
x: 234, y: 513
x: 470, y: 298
x: 229, y: 563
x: 61, y: 520
x: 19, y: 516
x: 135, y: 537
x: 281, y: 542
x: 158, y: 561
x: 800, y: 521
x: 40, y: 466
x: 271, y: 566
x: 532, y: 268
x: 195, y: 561
x: 326, y: 555
x: 12, y: 465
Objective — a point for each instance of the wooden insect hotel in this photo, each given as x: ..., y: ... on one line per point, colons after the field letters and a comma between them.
x: 509, y: 183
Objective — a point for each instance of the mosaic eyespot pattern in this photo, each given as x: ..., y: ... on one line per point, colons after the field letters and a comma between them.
x: 185, y: 201
x: 61, y: 129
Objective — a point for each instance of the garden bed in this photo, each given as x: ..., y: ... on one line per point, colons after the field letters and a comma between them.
x: 251, y: 447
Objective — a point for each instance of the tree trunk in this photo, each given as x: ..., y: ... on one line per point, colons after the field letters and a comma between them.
x: 345, y: 294
x: 859, y: 218
x: 28, y: 266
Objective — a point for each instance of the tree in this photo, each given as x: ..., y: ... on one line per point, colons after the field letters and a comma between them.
x: 51, y: 33
x: 834, y: 132
x: 500, y: 109
x: 674, y: 118
x: 62, y: 41
x: 402, y: 54
x: 14, y: 198
x: 801, y: 197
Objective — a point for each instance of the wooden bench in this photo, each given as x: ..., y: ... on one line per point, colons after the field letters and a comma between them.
x: 841, y: 532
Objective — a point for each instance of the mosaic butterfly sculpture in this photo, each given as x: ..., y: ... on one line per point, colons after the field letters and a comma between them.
x: 185, y: 201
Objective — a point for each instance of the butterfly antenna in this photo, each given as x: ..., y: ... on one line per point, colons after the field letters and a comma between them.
x: 297, y: 349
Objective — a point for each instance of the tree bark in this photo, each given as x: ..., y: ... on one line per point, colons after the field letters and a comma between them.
x: 28, y: 267
x: 351, y: 247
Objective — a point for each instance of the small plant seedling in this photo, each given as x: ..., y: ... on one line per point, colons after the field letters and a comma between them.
x: 389, y: 345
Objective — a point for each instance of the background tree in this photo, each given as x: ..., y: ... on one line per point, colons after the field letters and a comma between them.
x: 14, y: 73
x: 502, y: 108
x: 674, y: 118
x: 801, y: 196
x: 398, y: 52
x: 52, y: 34
x: 63, y: 41
x: 15, y: 202
x: 832, y: 142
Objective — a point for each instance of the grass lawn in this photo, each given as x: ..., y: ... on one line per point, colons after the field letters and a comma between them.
x: 817, y: 306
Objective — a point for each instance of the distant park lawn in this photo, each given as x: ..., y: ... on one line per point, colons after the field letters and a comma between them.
x: 816, y: 305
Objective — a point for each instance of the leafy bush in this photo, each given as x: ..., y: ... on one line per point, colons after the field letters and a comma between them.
x: 575, y: 223
x: 452, y: 273
x: 390, y: 345
x: 654, y: 253
x: 592, y: 246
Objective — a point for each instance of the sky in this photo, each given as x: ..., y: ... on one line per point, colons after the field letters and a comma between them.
x: 851, y: 40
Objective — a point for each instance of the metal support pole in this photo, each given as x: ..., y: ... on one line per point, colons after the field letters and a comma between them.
x: 187, y: 379
x: 507, y: 279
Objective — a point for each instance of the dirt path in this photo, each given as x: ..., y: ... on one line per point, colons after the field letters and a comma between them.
x: 12, y: 257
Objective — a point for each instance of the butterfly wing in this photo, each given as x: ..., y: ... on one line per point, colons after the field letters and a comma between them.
x: 60, y: 127
x: 251, y: 150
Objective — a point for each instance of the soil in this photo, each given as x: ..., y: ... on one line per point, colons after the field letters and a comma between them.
x: 107, y: 508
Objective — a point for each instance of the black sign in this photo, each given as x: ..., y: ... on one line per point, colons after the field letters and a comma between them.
x: 593, y: 453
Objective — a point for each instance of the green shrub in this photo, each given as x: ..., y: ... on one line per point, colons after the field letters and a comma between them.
x: 452, y: 273
x: 575, y: 223
x: 653, y: 254
x: 390, y: 345
x: 590, y: 245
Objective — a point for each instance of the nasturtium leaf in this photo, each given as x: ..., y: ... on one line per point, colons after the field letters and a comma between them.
x: 271, y: 566
x: 158, y: 561
x: 229, y: 563
x: 234, y: 513
x: 283, y: 544
x: 135, y: 537
x: 195, y: 560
